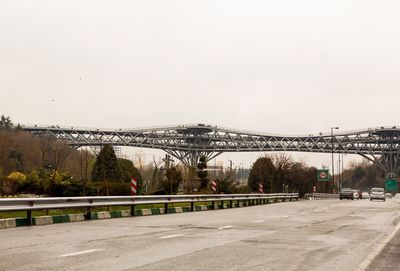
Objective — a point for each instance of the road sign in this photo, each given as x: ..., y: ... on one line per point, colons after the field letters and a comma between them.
x: 261, y: 188
x: 391, y: 185
x: 323, y: 175
x: 133, y: 187
x: 214, y: 186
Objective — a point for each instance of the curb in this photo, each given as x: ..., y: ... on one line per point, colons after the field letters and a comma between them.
x: 48, y: 220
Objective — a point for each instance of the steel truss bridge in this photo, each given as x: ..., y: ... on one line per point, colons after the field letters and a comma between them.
x: 189, y: 142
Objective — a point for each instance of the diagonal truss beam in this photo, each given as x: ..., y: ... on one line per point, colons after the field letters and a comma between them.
x: 188, y: 142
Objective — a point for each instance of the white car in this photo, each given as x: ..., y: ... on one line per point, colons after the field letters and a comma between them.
x: 355, y: 194
x: 377, y: 193
x: 365, y: 195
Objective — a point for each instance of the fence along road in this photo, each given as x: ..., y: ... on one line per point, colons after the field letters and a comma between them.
x: 302, y: 235
x: 32, y: 204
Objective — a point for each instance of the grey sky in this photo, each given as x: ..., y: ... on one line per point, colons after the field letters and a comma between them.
x: 286, y: 67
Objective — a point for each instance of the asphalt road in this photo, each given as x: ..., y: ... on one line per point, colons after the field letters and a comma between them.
x: 305, y: 235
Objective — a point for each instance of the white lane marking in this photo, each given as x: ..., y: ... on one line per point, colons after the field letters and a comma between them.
x: 258, y: 221
x: 170, y: 236
x: 364, y: 265
x: 79, y: 253
x: 225, y: 227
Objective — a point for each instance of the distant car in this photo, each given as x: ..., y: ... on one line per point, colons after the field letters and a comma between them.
x: 346, y: 193
x: 356, y: 195
x: 365, y: 195
x: 377, y: 193
x: 388, y: 195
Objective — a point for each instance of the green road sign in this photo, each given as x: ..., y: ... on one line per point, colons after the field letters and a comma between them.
x: 391, y: 185
x: 323, y: 175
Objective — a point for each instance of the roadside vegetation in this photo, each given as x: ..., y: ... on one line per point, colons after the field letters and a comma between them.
x: 38, y: 165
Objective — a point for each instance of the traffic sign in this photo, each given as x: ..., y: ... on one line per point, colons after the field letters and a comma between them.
x: 133, y: 187
x: 391, y: 185
x: 214, y: 186
x: 260, y: 188
x: 323, y: 175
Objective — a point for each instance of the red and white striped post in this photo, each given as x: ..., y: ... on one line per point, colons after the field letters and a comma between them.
x: 133, y: 187
x: 260, y: 188
x: 214, y: 186
x: 314, y: 189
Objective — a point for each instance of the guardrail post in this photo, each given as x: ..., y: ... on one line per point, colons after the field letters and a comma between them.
x: 166, y: 208
x: 222, y: 204
x: 132, y: 210
x: 231, y: 204
x: 192, y: 206
x: 213, y: 205
x: 29, y: 218
x: 88, y: 213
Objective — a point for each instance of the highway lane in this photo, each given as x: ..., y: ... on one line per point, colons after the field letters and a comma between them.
x: 305, y: 235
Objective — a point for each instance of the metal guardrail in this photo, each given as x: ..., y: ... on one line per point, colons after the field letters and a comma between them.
x: 32, y: 204
x: 321, y: 196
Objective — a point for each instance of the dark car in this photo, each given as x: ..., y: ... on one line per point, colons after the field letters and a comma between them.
x: 346, y: 193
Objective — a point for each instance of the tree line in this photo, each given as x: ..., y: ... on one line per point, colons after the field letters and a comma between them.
x: 31, y: 164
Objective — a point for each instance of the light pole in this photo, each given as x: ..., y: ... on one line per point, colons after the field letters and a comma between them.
x: 333, y: 171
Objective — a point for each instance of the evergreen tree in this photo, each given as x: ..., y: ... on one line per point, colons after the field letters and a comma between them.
x: 128, y: 170
x: 106, y: 167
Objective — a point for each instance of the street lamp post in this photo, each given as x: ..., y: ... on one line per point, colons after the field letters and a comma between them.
x: 333, y: 171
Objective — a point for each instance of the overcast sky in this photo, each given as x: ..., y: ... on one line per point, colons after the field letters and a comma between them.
x: 285, y: 67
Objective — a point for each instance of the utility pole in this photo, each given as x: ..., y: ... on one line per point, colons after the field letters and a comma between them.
x: 333, y: 166
x: 340, y: 172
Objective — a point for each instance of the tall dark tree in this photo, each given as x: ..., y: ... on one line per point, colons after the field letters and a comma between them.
x: 173, y: 178
x: 262, y: 171
x: 202, y: 173
x: 106, y: 168
x: 5, y: 122
x: 128, y: 170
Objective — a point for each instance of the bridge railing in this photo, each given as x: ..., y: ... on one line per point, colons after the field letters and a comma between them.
x: 314, y: 196
x: 33, y: 204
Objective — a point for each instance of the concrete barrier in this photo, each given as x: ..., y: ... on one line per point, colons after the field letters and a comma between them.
x: 146, y: 212
x: 47, y: 220
x: 178, y: 210
x: 8, y: 223
x: 76, y: 217
x: 43, y: 220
